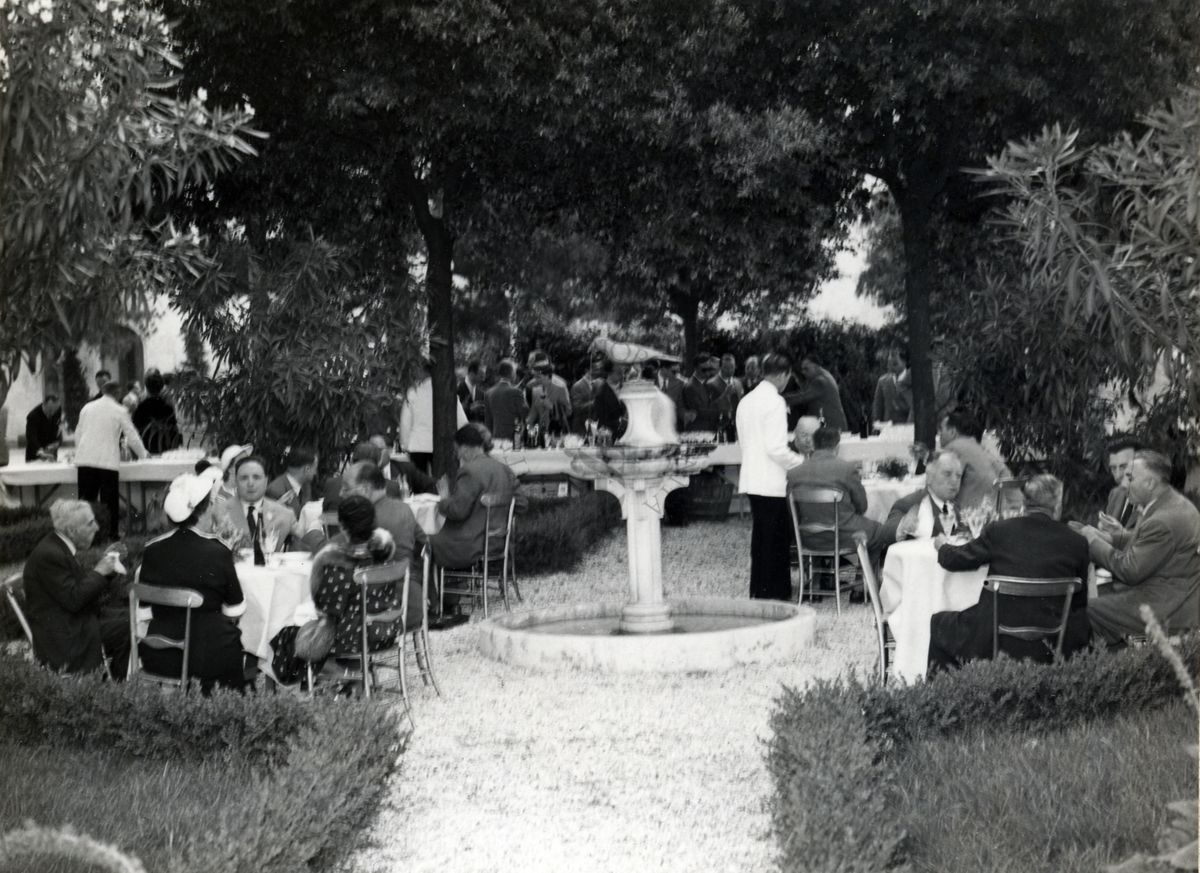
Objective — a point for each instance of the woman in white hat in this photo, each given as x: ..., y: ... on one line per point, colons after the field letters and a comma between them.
x: 191, y: 556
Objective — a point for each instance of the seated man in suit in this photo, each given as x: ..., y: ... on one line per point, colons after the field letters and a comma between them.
x: 294, y: 488
x: 1035, y: 545
x: 1159, y: 559
x: 460, y: 541
x: 824, y: 468
x: 1120, y: 512
x: 930, y: 511
x: 62, y: 599
x: 256, y: 519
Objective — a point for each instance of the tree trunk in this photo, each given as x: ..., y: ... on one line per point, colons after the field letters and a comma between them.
x: 914, y: 202
x: 688, y: 309
x: 439, y: 291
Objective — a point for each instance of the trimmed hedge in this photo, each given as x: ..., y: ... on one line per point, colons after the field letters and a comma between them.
x: 10, y: 515
x: 321, y: 765
x: 17, y: 540
x: 553, y: 534
x: 835, y: 806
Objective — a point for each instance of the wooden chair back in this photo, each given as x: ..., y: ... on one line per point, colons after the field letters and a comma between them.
x: 186, y: 599
x: 10, y: 593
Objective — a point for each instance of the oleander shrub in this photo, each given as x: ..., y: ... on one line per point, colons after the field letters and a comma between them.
x: 835, y: 805
x: 554, y: 534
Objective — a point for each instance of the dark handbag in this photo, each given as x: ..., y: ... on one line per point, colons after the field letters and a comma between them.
x: 314, y: 640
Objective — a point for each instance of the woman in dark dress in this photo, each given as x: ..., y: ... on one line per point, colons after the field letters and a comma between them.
x: 338, y: 596
x: 191, y: 556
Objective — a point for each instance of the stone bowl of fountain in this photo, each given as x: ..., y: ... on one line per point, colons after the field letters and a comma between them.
x: 648, y: 633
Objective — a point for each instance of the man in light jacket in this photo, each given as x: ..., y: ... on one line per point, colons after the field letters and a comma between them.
x: 416, y: 421
x: 763, y: 434
x: 102, y: 423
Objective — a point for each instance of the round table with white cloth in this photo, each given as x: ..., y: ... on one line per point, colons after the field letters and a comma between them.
x: 914, y: 588
x: 882, y: 493
x: 276, y: 595
x: 425, y: 508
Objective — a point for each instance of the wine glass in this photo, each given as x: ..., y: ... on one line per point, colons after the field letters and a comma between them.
x: 977, y: 518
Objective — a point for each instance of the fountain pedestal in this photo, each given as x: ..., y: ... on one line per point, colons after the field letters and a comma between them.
x: 642, y: 503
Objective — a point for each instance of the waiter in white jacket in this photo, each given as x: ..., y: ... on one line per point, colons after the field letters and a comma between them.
x: 763, y: 435
x: 98, y: 450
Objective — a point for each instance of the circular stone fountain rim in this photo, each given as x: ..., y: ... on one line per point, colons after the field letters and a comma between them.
x: 787, y: 631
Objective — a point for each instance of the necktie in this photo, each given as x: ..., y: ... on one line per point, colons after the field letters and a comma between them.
x: 1126, y: 512
x: 252, y: 524
x: 947, y: 526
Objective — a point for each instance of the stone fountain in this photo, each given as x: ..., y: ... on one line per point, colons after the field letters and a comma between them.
x: 647, y: 632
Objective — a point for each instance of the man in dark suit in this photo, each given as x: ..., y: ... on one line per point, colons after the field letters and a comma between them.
x: 42, y: 429
x: 824, y: 468
x: 155, y: 418
x: 701, y: 412
x: 62, y: 599
x: 1159, y: 559
x: 1036, y: 545
x: 929, y: 512
x: 671, y: 385
x: 505, y: 404
x: 1120, y: 512
x: 818, y: 394
x: 460, y: 541
x: 471, y: 393
x: 607, y: 408
x: 294, y: 487
x: 103, y: 377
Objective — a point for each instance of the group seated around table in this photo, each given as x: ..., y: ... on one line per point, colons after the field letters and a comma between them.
x: 338, y: 597
x: 1036, y: 545
x: 191, y: 556
x: 75, y: 614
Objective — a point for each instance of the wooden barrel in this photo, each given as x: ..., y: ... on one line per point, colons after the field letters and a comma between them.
x: 709, y: 496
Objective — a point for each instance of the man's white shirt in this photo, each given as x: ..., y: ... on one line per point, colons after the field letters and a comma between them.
x: 763, y: 436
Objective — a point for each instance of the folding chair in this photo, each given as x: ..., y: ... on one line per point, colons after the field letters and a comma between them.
x: 1015, y: 586
x: 883, y: 633
x: 180, y: 598
x: 476, y: 580
x: 818, y: 495
x: 10, y: 585
x: 1007, y: 486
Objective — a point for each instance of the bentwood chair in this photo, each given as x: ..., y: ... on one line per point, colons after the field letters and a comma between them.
x: 883, y: 633
x: 800, y: 497
x: 1008, y: 491
x: 186, y: 599
x: 1015, y: 586
x: 476, y: 581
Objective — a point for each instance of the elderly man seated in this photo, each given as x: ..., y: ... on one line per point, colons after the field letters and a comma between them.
x: 930, y: 511
x: 1159, y: 559
x: 1036, y: 545
x: 460, y: 541
x: 62, y: 599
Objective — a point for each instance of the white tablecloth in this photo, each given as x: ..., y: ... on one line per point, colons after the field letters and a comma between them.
x: 424, y: 507
x: 23, y: 473
x: 272, y: 596
x: 915, y: 587
x: 882, y: 493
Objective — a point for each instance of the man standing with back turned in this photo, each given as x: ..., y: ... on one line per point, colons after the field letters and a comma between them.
x: 763, y: 434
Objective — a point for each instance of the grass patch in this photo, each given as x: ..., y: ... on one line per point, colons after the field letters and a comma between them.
x: 1067, y: 801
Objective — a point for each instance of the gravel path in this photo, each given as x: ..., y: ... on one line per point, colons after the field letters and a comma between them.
x: 515, y: 770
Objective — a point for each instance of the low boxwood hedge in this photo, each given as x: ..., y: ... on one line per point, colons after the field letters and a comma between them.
x: 320, y: 765
x: 553, y: 534
x: 835, y: 806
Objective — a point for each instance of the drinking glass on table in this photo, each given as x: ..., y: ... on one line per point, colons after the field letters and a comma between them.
x: 977, y: 518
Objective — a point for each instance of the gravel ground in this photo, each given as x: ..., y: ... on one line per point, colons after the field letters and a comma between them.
x: 518, y: 770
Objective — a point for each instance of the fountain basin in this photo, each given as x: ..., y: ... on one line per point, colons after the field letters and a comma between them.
x: 711, y: 634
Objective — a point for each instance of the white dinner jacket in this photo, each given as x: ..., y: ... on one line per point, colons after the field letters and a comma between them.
x: 416, y: 417
x: 98, y: 435
x: 763, y: 436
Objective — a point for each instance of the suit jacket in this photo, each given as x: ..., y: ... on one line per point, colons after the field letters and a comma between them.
x: 1160, y: 558
x: 460, y: 541
x: 281, y: 491
x: 582, y: 394
x: 396, y: 517
x: 673, y: 388
x: 550, y: 405
x: 824, y: 467
x: 763, y: 433
x: 901, y: 507
x: 98, y: 436
x: 61, y: 604
x: 40, y: 431
x: 889, y: 403
x: 505, y: 407
x: 156, y: 423
x: 1118, y: 502
x: 820, y: 397
x: 473, y: 401
x: 1033, y: 545
x: 276, y: 519
x: 607, y: 409
x: 980, y: 472
x: 700, y: 398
